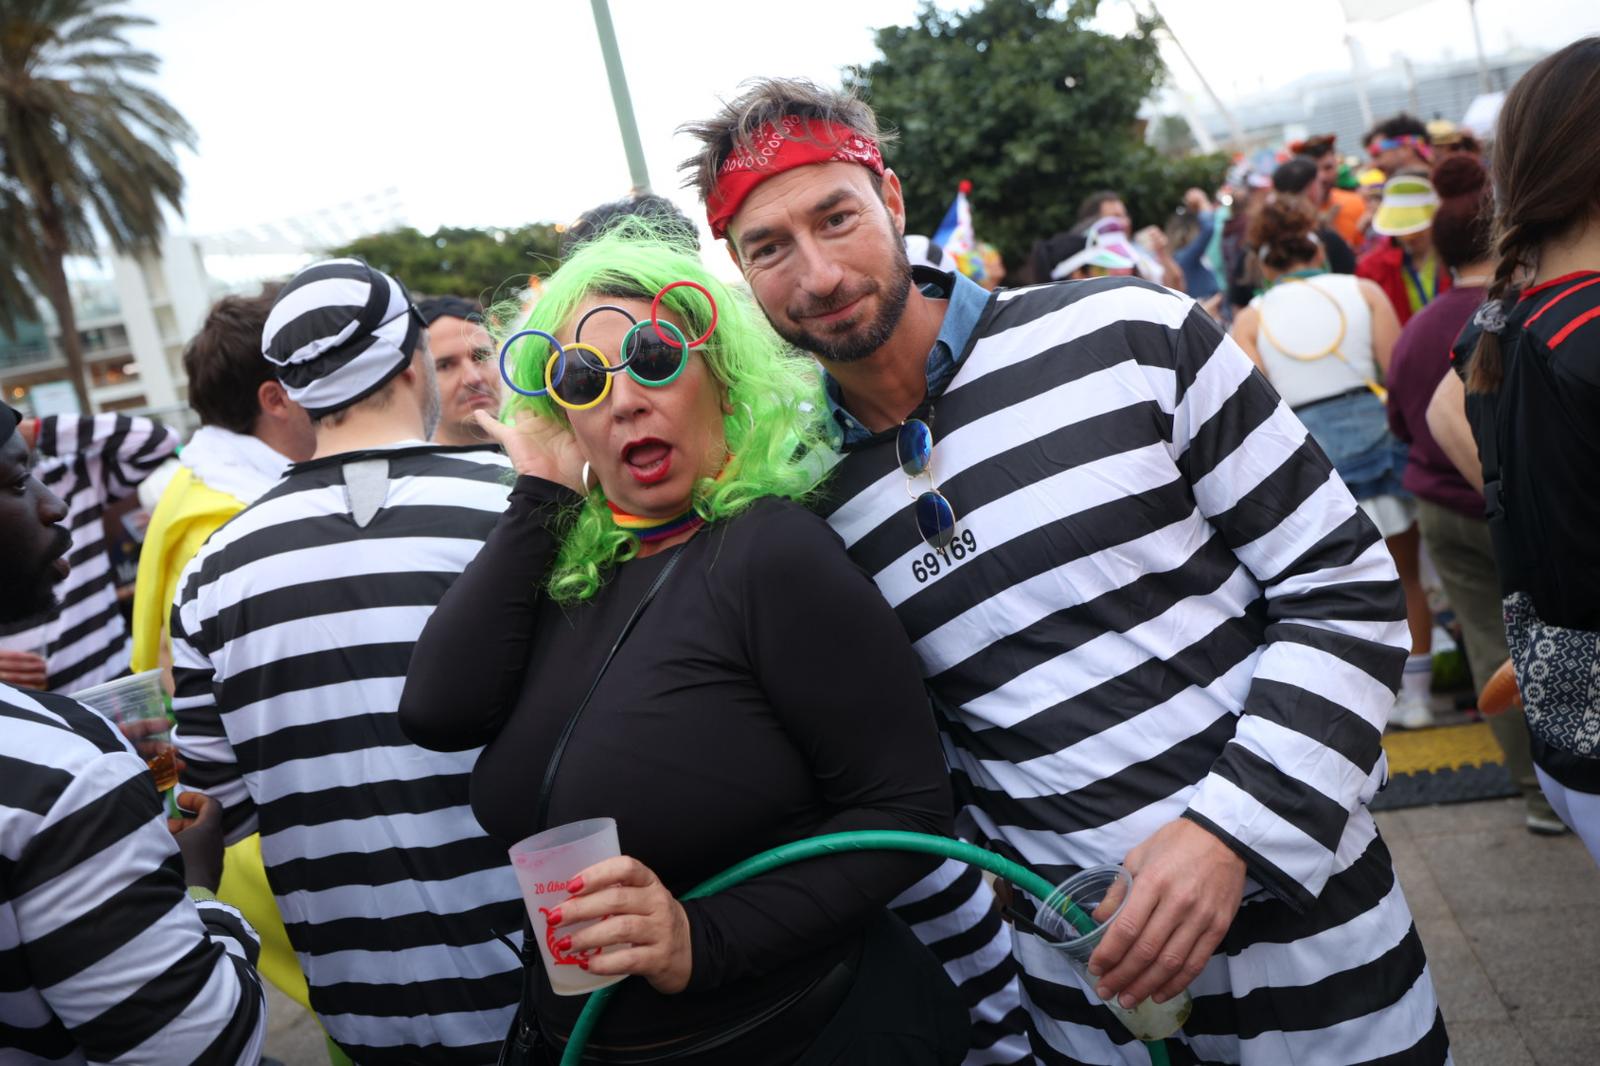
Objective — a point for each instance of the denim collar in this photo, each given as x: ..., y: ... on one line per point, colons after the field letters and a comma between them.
x: 967, y: 302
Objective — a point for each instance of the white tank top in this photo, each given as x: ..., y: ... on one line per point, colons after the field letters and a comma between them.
x: 1305, y: 318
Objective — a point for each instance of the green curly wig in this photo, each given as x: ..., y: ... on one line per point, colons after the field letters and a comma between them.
x: 775, y: 396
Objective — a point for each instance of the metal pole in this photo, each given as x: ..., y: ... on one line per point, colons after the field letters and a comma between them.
x: 1234, y: 129
x: 1477, y: 40
x: 620, y: 98
x: 1359, y: 76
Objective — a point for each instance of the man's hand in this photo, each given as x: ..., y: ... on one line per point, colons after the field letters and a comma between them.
x: 1187, y: 885
x: 199, y: 839
x: 23, y: 669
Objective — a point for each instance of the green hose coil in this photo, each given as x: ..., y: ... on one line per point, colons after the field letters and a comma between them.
x: 864, y: 840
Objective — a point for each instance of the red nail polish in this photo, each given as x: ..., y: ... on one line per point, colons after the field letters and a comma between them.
x: 553, y: 917
x: 564, y: 944
x: 575, y: 885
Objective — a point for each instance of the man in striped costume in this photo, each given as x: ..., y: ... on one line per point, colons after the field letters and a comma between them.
x: 91, y: 462
x: 102, y: 958
x: 1159, y: 631
x: 290, y: 641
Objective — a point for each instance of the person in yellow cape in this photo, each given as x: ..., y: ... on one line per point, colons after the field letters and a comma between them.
x: 250, y: 432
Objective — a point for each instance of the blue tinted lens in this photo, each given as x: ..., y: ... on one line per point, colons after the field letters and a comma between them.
x: 936, y: 521
x: 914, y: 446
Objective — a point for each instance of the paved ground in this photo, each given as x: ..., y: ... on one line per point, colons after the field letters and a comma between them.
x: 1512, y: 926
x: 1511, y: 922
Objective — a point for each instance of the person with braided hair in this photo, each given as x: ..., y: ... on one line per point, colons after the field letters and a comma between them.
x: 1529, y: 390
x: 1449, y: 509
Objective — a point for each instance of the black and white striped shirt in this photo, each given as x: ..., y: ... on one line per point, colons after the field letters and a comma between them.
x: 90, y: 462
x: 291, y: 637
x: 103, y: 957
x: 1162, y: 603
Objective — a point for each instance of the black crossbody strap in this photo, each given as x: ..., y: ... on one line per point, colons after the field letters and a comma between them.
x: 550, y: 770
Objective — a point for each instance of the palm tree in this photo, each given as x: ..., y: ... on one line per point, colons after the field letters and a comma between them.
x: 86, y: 152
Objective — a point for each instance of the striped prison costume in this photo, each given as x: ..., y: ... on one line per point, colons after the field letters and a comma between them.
x: 1162, y: 603
x: 90, y: 462
x: 290, y: 641
x: 103, y: 956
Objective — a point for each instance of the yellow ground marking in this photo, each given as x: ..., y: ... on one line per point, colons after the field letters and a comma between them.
x: 1448, y: 747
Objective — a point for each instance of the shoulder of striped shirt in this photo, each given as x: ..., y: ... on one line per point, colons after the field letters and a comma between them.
x: 87, y: 726
x: 1075, y: 308
x: 1072, y: 308
x: 473, y: 480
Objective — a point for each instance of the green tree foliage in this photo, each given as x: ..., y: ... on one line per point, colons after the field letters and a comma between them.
x: 86, y: 152
x: 479, y: 264
x: 1031, y: 106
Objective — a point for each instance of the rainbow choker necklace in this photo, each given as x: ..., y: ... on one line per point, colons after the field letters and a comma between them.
x: 650, y: 530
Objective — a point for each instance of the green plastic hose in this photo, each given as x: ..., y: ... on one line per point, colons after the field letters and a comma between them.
x: 864, y: 840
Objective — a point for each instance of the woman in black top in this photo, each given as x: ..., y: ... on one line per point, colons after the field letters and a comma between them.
x: 1531, y: 363
x: 766, y: 694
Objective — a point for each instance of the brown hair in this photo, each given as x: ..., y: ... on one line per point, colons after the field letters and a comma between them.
x: 224, y: 363
x: 1089, y: 209
x: 1281, y: 231
x: 1544, y: 175
x: 767, y: 100
x: 1461, y: 228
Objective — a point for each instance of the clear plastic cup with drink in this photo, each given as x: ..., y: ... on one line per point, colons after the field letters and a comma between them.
x: 137, y: 705
x: 544, y: 864
x: 1076, y: 931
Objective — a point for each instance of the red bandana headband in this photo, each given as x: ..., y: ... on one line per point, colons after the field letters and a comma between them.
x: 794, y: 142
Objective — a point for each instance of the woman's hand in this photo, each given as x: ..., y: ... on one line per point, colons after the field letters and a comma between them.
x: 634, y: 909
x: 539, y: 447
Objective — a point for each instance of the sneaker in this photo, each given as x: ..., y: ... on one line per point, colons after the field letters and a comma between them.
x: 1545, y: 825
x: 1411, y: 712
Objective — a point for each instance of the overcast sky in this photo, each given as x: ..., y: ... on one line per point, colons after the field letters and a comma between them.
x: 491, y: 112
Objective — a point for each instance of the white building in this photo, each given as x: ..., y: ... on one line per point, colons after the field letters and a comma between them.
x: 136, y: 315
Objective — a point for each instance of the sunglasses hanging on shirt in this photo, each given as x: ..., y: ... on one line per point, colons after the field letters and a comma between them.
x: 936, y: 519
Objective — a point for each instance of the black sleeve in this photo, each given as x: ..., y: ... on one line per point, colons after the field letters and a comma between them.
x: 467, y: 666
x: 1341, y: 260
x: 846, y: 687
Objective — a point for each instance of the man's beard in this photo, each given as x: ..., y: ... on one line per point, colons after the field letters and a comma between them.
x: 28, y: 589
x: 861, y: 341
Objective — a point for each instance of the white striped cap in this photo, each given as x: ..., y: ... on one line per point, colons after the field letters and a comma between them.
x: 338, y: 332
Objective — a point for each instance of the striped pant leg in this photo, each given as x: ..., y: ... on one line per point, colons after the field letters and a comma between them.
x: 953, y: 912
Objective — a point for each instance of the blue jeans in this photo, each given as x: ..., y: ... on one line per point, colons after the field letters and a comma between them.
x: 1354, y: 430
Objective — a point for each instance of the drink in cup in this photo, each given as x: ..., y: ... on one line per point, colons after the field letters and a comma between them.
x: 544, y: 863
x: 1077, y: 932
x: 138, y: 707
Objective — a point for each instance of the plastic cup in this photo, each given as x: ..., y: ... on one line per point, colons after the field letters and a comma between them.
x: 137, y: 705
x: 1077, y: 936
x: 544, y: 863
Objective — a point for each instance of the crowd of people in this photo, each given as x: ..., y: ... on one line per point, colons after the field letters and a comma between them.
x: 1122, y: 564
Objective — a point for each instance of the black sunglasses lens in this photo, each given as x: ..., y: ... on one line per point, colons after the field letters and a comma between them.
x: 914, y: 446
x: 653, y: 359
x: 582, y: 383
x: 936, y: 520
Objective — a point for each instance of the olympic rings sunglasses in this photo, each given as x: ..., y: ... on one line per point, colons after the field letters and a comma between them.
x: 936, y: 519
x: 578, y: 376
